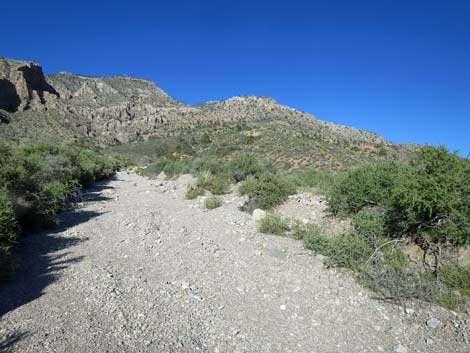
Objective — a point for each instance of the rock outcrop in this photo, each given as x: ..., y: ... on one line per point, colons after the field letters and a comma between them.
x: 23, y: 86
x: 117, y: 108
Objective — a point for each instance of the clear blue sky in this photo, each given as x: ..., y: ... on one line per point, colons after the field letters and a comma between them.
x: 399, y: 68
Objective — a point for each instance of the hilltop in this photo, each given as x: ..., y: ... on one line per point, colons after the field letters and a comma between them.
x: 116, y: 110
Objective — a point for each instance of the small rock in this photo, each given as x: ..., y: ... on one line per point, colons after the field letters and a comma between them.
x: 322, y: 258
x: 399, y: 348
x: 184, y: 285
x: 258, y: 215
x: 409, y: 311
x: 162, y: 176
x: 433, y: 323
x: 428, y: 340
x: 283, y: 307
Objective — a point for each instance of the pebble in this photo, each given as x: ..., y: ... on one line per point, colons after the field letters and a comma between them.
x: 399, y: 348
x: 433, y: 323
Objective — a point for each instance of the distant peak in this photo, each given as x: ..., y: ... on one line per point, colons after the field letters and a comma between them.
x: 91, y: 77
x: 265, y: 99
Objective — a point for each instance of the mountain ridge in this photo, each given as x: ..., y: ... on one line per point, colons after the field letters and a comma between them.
x: 119, y: 109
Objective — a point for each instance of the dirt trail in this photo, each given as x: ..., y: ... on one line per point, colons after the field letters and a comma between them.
x: 137, y: 268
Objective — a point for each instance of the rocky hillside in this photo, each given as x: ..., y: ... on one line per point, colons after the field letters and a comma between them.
x: 122, y: 109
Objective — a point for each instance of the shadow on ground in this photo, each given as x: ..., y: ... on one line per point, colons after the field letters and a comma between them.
x: 41, y: 257
x: 8, y: 342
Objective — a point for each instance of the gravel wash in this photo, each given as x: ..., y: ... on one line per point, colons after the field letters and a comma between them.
x: 138, y: 268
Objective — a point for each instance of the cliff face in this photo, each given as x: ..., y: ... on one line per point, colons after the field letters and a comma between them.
x: 23, y: 86
x: 117, y: 108
x: 121, y: 109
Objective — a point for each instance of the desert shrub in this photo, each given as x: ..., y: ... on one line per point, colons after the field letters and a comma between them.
x: 162, y: 150
x: 35, y: 182
x: 212, y: 202
x: 205, y: 179
x: 42, y: 176
x: 346, y: 250
x: 433, y: 197
x: 89, y: 166
x: 274, y: 224
x: 267, y: 191
x: 381, y: 265
x: 7, y: 221
x: 218, y: 184
x: 177, y: 166
x: 7, y: 233
x: 456, y: 277
x: 170, y: 165
x: 155, y: 168
x: 301, y: 230
x: 193, y: 192
x: 367, y: 185
x: 370, y: 224
x: 205, y: 139
x: 207, y: 163
x: 248, y: 165
x: 428, y: 197
x: 184, y: 147
x: 313, y: 178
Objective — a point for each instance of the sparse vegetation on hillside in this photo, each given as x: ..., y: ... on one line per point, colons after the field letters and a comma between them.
x: 288, y: 144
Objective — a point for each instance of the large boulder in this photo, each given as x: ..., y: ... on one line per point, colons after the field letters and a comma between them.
x: 258, y: 215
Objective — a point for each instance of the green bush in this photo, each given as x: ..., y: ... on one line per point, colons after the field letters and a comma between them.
x: 313, y: 178
x: 193, y: 192
x: 457, y: 277
x: 433, y: 197
x: 346, y: 250
x: 38, y: 179
x: 248, y: 165
x: 367, y: 185
x: 274, y: 224
x: 212, y: 202
x: 428, y: 197
x: 267, y: 191
x: 209, y: 163
x: 90, y: 166
x: 370, y: 224
x: 42, y: 176
x: 302, y: 231
x: 218, y: 184
x: 7, y: 233
x: 171, y: 166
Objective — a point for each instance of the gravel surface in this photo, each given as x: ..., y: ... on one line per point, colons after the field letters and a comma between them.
x: 138, y: 268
